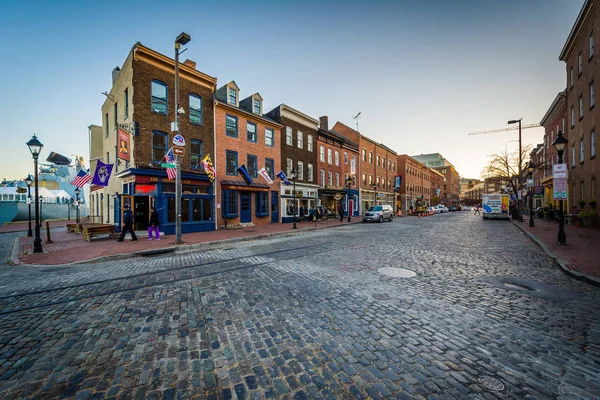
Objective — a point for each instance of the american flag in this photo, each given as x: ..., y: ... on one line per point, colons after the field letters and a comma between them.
x: 170, y: 158
x: 81, y: 179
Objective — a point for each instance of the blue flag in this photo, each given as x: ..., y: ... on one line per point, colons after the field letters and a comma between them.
x: 102, y: 173
x: 244, y: 172
x: 284, y: 178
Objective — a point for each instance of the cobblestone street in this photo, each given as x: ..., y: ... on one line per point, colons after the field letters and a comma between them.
x: 488, y: 315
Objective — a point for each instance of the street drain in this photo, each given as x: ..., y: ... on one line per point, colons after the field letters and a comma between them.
x: 491, y: 383
x: 517, y: 286
x: 397, y: 272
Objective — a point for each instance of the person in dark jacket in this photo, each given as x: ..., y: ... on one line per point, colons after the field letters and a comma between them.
x: 153, y: 225
x: 127, y: 224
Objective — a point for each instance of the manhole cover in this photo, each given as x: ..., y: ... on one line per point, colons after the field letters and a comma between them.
x: 381, y: 296
x: 491, y: 383
x: 397, y: 272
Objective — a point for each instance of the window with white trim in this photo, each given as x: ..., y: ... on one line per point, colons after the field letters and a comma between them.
x: 345, y: 157
x: 364, y: 155
x: 337, y: 157
x: 289, y: 166
x: 580, y: 107
x: 329, y: 157
x: 300, y: 170
x: 592, y: 100
x: 581, y: 151
x: 322, y: 177
x: 288, y: 135
x: 329, y: 178
x: 300, y: 139
x: 337, y: 179
x: 309, y: 142
x: 322, y: 153
x: 309, y: 172
x: 579, y: 64
x: 573, y: 156
x: 232, y: 98
x: 572, y: 116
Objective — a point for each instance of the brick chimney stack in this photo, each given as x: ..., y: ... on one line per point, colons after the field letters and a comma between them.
x: 190, y: 63
x: 324, y: 123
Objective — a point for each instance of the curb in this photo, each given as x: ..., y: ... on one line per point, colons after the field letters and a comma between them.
x: 14, y: 260
x: 563, y: 264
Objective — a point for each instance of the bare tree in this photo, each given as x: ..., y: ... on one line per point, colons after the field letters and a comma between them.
x: 504, y: 167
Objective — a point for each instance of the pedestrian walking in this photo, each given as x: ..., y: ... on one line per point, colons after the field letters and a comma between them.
x: 341, y: 213
x: 477, y: 210
x: 127, y: 224
x: 153, y: 225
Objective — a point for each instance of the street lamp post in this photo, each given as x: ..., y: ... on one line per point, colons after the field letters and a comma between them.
x: 35, y: 147
x: 531, y: 168
x: 559, y: 144
x: 29, y: 181
x: 519, y: 195
x: 77, y: 204
x: 348, y: 186
x: 182, y: 39
x: 293, y: 176
x: 41, y: 208
x: 375, y: 194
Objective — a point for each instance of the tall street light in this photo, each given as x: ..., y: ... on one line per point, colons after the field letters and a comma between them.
x: 293, y: 176
x: 531, y: 168
x: 519, y: 196
x: 182, y: 39
x: 29, y: 181
x: 559, y: 144
x: 348, y: 186
x: 35, y: 147
x: 77, y: 204
x: 375, y: 194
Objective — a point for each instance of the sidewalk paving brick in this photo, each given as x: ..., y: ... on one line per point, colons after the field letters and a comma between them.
x: 71, y: 247
x: 581, y: 253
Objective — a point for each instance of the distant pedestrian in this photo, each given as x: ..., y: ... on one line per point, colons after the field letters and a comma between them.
x: 477, y: 210
x: 153, y: 225
x: 127, y: 224
x: 341, y: 213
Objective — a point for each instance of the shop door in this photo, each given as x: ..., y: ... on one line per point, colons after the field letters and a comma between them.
x: 350, y: 207
x: 141, y: 212
x: 275, y: 207
x: 245, y: 207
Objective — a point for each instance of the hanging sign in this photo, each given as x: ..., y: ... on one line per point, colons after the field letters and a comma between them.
x: 123, y: 153
x: 559, y: 181
x: 353, y: 167
x: 178, y: 140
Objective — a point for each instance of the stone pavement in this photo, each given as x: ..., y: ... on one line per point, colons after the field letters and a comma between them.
x: 580, y: 256
x: 72, y: 248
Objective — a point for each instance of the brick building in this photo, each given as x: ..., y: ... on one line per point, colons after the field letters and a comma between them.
x: 349, y: 172
x: 136, y: 135
x: 417, y: 182
x: 582, y: 65
x: 244, y: 136
x: 449, y: 192
x: 298, y: 152
x: 553, y: 121
x: 330, y: 167
x: 376, y: 169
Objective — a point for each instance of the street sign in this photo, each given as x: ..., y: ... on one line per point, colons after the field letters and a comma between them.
x: 180, y: 151
x: 167, y: 165
x: 559, y: 181
x: 178, y: 140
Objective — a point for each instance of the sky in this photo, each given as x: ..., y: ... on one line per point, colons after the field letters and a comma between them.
x: 423, y: 74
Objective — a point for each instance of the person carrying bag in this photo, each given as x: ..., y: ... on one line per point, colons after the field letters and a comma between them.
x: 153, y: 225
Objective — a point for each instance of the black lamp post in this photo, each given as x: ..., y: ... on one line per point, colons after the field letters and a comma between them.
x: 41, y: 208
x: 29, y: 181
x: 77, y: 204
x: 35, y: 147
x: 519, y: 194
x: 531, y: 168
x: 293, y: 176
x: 559, y: 144
x: 348, y: 186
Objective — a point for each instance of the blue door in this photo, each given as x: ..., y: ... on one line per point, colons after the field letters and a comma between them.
x: 274, y: 207
x: 245, y: 207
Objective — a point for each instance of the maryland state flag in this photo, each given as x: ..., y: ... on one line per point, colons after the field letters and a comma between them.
x: 208, y: 168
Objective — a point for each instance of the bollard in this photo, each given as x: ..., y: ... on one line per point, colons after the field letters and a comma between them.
x: 48, y: 240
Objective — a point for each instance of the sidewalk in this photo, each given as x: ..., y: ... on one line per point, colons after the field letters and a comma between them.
x: 70, y: 248
x: 579, y: 257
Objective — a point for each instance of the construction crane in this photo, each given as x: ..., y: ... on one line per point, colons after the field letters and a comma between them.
x: 510, y: 128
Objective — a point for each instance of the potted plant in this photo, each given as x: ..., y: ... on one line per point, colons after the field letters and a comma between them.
x: 581, y: 204
x: 589, y: 218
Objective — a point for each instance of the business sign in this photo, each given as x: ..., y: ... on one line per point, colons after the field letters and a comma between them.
x: 398, y: 182
x: 353, y: 167
x: 559, y: 181
x: 178, y: 140
x: 123, y: 153
x: 538, y: 191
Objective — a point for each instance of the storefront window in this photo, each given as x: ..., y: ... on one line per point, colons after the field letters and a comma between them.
x: 202, y: 209
x: 171, y: 209
x: 185, y: 210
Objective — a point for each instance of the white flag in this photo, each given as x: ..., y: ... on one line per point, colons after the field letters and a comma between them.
x: 263, y: 172
x: 353, y: 167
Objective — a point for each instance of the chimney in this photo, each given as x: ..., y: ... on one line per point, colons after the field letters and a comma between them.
x: 190, y: 63
x: 115, y: 74
x: 324, y: 123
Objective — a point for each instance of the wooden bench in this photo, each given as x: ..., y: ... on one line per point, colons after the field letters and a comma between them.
x: 89, y: 231
x: 77, y: 228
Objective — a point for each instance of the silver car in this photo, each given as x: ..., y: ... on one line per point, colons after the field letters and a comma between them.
x: 379, y: 213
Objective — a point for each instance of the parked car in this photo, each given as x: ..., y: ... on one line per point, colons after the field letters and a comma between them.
x: 379, y: 213
x: 430, y: 210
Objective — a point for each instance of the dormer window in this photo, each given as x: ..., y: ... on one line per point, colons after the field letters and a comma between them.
x: 256, y: 106
x: 232, y: 98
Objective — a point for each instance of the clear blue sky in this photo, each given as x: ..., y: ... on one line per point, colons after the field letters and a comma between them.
x: 422, y: 73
